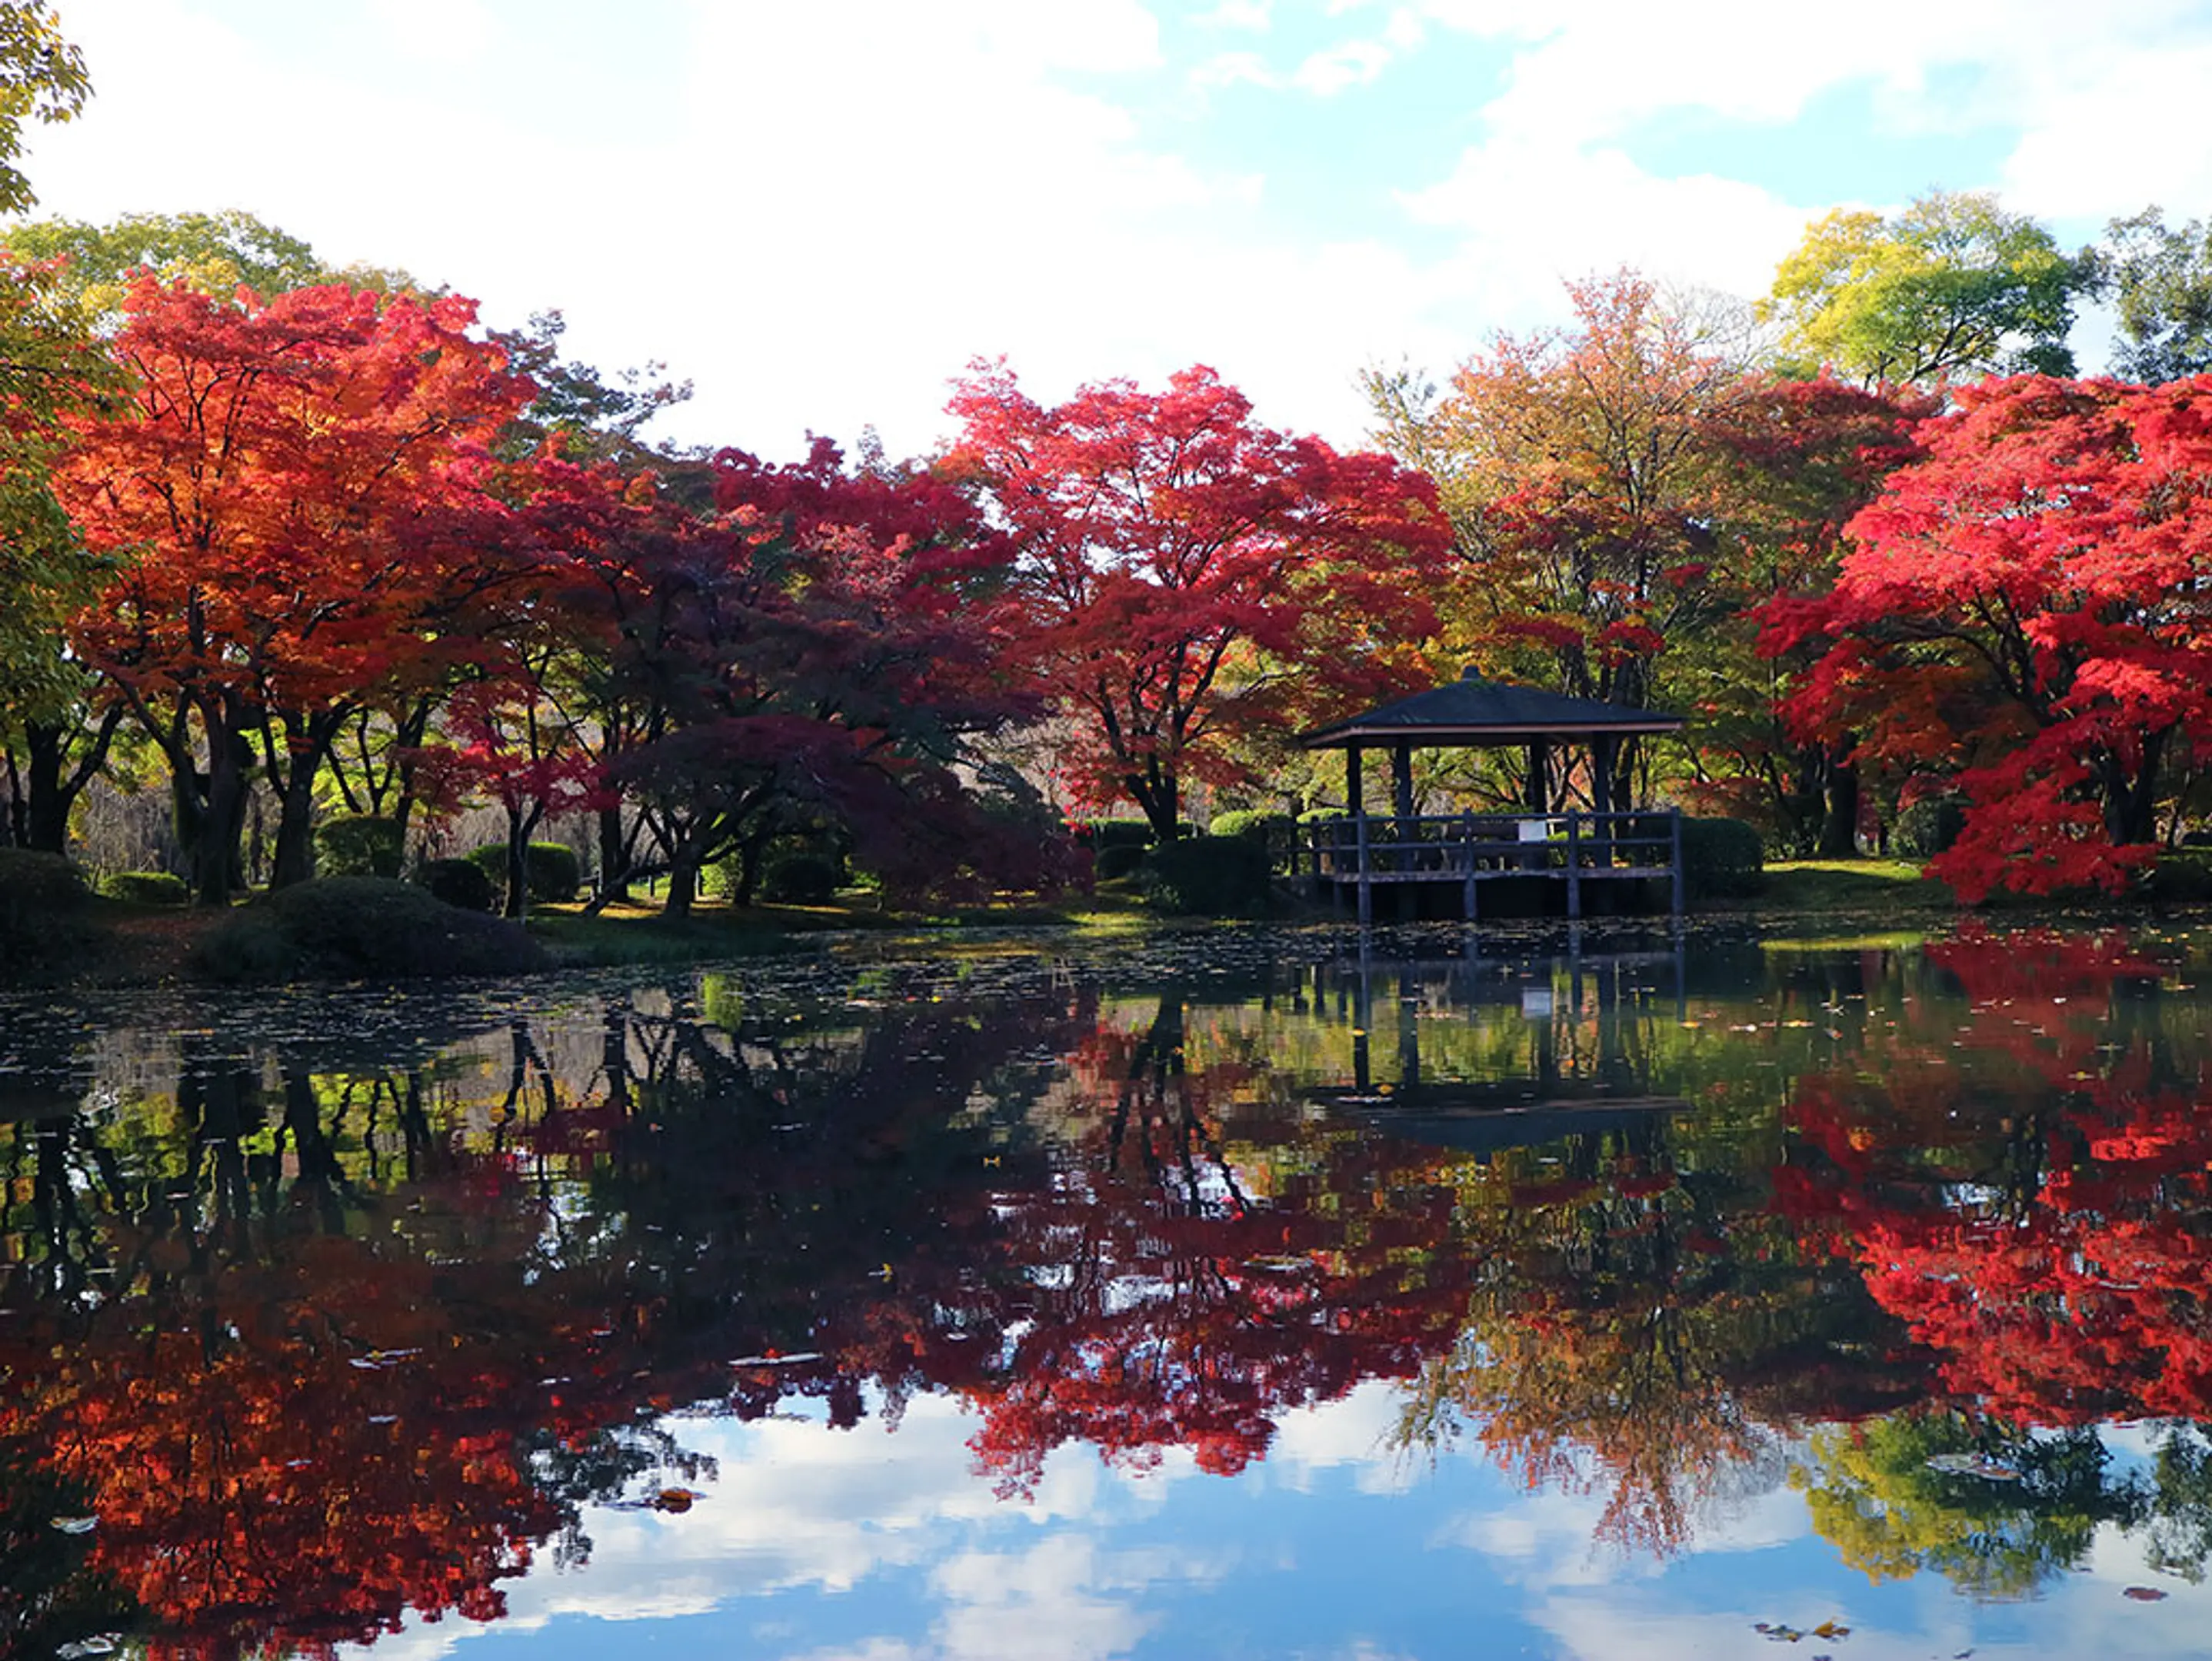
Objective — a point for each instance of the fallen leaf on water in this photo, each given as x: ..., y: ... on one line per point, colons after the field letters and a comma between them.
x: 2145, y: 1594
x: 675, y: 1499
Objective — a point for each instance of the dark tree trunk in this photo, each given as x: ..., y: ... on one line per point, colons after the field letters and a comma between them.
x: 1839, y: 829
x: 614, y: 856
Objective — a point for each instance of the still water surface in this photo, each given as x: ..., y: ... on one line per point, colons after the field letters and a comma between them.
x: 1256, y: 1294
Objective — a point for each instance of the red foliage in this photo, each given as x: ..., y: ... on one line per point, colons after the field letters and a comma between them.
x: 2020, y: 608
x: 1191, y: 578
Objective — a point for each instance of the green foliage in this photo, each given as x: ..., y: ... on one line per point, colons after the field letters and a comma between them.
x: 1929, y: 827
x: 552, y: 875
x: 1722, y: 858
x: 2158, y: 279
x: 1278, y: 833
x: 214, y: 253
x: 42, y: 78
x: 1098, y: 834
x: 40, y: 896
x: 2181, y: 876
x: 1208, y: 876
x: 798, y: 878
x: 458, y: 882
x: 363, y: 928
x: 1117, y: 860
x: 359, y: 845
x: 1951, y: 286
x: 146, y: 889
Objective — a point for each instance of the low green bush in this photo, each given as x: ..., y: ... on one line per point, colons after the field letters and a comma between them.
x: 1099, y: 834
x: 1722, y: 858
x: 1929, y: 827
x: 42, y: 896
x: 459, y: 883
x: 799, y: 879
x: 1118, y: 859
x: 359, y: 845
x: 146, y: 889
x: 363, y: 928
x: 2181, y: 876
x: 1208, y: 876
x: 551, y: 873
x: 1276, y: 832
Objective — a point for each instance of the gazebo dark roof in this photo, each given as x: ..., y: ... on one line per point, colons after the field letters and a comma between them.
x: 1473, y: 711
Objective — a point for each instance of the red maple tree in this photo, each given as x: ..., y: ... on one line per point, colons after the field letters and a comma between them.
x: 1192, y: 577
x: 2021, y: 616
x: 300, y: 493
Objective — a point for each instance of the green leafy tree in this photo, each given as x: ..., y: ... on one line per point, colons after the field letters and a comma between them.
x: 42, y: 78
x: 212, y: 253
x: 2158, y: 280
x: 1951, y: 287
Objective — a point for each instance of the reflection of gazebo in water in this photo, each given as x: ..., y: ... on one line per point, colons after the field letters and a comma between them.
x: 1610, y: 841
x: 1581, y: 1075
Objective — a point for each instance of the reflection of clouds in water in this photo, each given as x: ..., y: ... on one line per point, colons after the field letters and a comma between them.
x: 797, y: 1505
x: 1356, y: 1430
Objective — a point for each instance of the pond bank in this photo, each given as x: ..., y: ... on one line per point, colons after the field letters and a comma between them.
x: 115, y: 944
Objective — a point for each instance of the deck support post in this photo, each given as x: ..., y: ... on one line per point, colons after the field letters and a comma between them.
x: 1674, y: 823
x: 1574, y: 867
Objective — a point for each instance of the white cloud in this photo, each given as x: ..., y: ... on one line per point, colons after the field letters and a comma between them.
x: 437, y: 29
x: 1336, y: 69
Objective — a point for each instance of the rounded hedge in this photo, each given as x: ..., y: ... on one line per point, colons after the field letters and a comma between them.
x: 799, y: 879
x: 1208, y: 875
x: 363, y: 928
x: 551, y: 873
x: 1722, y: 858
x: 359, y: 845
x: 458, y: 882
x: 146, y: 889
x: 1118, y: 859
x: 41, y: 896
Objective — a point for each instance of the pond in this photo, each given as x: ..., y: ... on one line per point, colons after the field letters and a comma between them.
x: 1257, y: 1292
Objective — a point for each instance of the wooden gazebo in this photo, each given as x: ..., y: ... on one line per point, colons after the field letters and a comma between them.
x: 1609, y: 841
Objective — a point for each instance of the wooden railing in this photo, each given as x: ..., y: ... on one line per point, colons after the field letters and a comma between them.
x: 1365, y: 849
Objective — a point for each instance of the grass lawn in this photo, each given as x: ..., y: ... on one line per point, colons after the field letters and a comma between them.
x: 1850, y: 885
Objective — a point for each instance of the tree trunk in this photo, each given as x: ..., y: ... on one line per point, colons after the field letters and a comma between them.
x: 1839, y: 830
x: 293, y: 860
x: 45, y: 811
x: 683, y: 878
x: 614, y: 856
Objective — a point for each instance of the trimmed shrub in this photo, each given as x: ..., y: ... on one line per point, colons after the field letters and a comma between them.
x: 1118, y: 859
x: 41, y: 896
x: 358, y: 844
x: 364, y: 928
x: 799, y: 879
x: 1722, y: 858
x: 458, y: 882
x: 146, y: 889
x: 2181, y: 876
x: 1276, y: 832
x: 1928, y: 828
x: 1100, y: 834
x: 551, y: 873
x: 1208, y: 876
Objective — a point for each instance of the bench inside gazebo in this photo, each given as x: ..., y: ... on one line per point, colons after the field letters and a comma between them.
x: 1609, y: 841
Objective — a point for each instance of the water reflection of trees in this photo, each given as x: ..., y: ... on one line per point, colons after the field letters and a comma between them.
x: 319, y: 1341
x: 2039, y: 1223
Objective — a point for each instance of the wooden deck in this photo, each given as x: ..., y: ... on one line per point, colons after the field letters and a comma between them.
x: 1360, y: 851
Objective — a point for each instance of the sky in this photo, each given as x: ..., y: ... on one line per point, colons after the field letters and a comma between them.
x: 822, y: 213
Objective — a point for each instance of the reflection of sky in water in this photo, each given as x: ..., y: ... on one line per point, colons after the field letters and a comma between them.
x: 1661, y: 1103
x: 881, y: 1545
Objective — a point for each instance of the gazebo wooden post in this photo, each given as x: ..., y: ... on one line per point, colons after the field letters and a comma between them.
x: 1353, y: 801
x: 1539, y: 757
x: 1601, y: 756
